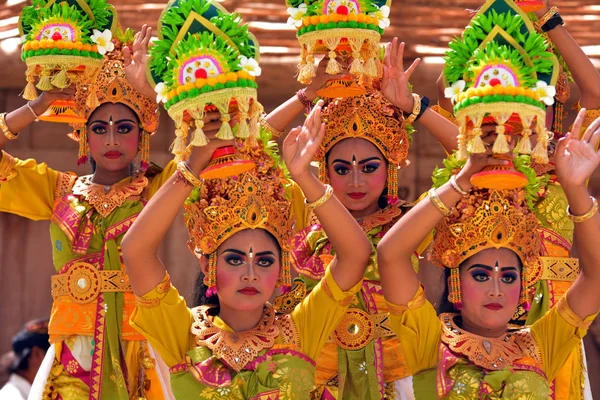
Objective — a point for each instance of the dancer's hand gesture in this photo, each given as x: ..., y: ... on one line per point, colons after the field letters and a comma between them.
x: 395, y: 79
x: 136, y: 58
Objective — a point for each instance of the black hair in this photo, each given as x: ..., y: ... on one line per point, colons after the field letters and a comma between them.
x: 199, y: 296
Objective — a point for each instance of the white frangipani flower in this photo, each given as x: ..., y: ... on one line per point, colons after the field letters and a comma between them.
x: 546, y: 92
x: 453, y: 91
x: 250, y: 65
x: 296, y: 14
x: 103, y: 40
x: 161, y: 92
x: 382, y: 16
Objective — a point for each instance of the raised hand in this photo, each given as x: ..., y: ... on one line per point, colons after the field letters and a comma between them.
x: 41, y: 104
x: 395, y: 79
x: 302, y: 143
x: 577, y: 159
x: 136, y: 58
x: 321, y: 77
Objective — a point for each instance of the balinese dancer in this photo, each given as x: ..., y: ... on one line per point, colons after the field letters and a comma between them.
x: 488, y: 240
x: 95, y: 352
x: 236, y: 346
x: 509, y: 99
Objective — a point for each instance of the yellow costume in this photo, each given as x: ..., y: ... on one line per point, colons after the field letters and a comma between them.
x: 449, y: 363
x: 277, y: 361
x: 96, y: 353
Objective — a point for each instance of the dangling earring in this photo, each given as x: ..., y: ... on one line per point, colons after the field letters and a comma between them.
x: 84, y: 147
x: 454, y: 295
x: 392, y: 183
x: 286, y: 277
x: 210, y: 279
x: 145, y: 150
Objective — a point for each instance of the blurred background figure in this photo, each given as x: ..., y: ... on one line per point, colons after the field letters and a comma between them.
x: 29, y: 347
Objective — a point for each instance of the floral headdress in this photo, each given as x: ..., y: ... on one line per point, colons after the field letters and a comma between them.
x: 370, y: 117
x: 205, y: 57
x: 257, y: 199
x: 111, y: 86
x: 340, y: 27
x: 500, y: 70
x: 489, y: 219
x: 63, y: 44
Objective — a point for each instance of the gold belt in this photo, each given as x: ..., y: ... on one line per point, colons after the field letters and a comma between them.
x: 560, y: 268
x: 83, y: 282
x: 358, y: 328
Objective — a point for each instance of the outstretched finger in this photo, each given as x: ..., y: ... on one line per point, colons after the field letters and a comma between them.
x: 292, y: 137
x: 386, y: 54
x: 394, y: 53
x: 412, y: 68
x: 562, y: 145
x: 147, y: 36
x: 127, y: 56
x: 576, y: 130
x: 399, y: 56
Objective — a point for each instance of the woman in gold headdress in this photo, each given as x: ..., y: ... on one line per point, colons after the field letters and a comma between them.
x: 488, y: 241
x: 236, y: 347
x: 95, y: 352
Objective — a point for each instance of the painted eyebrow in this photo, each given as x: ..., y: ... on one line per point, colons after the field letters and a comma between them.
x: 241, y: 253
x: 265, y: 253
x: 488, y: 268
x: 337, y: 160
x: 117, y: 122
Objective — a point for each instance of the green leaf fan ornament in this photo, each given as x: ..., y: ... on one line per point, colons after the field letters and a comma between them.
x: 64, y: 42
x: 340, y: 28
x: 205, y: 59
x: 500, y: 70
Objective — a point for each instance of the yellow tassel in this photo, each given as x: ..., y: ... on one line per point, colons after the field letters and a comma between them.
x: 477, y: 145
x: 61, y: 80
x: 243, y: 128
x: 179, y: 146
x: 357, y: 68
x: 92, y: 99
x: 30, y: 93
x: 333, y: 67
x: 307, y: 71
x: 462, y: 153
x: 540, y: 153
x: 225, y: 132
x: 44, y: 83
x: 371, y: 67
x: 524, y: 146
x: 501, y: 144
x: 199, y: 139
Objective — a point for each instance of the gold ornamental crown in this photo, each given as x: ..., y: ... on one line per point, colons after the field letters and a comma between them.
x: 253, y: 200
x: 489, y: 220
x: 111, y: 86
x: 370, y: 117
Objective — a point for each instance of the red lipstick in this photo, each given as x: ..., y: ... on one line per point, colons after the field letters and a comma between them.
x: 356, y: 195
x: 494, y: 306
x: 113, y: 154
x: 249, y: 291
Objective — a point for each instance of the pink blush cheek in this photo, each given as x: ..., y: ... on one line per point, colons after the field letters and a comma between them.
x: 376, y: 181
x: 472, y: 292
x: 226, y: 281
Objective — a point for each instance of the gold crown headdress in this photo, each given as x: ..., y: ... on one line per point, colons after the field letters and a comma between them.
x: 111, y: 86
x: 500, y: 69
x: 488, y: 220
x: 370, y: 117
x: 63, y: 44
x: 256, y: 199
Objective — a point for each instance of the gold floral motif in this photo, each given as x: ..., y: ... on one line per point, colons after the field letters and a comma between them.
x: 72, y: 367
x: 64, y: 183
x: 489, y: 353
x: 236, y: 349
x: 552, y: 212
x: 286, y: 302
x: 106, y: 202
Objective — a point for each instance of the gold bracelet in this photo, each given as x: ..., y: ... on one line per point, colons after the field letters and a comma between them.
x: 587, y: 215
x: 416, y: 109
x: 189, y: 175
x: 437, y: 202
x: 320, y: 201
x: 549, y: 14
x: 268, y: 127
x: 4, y: 128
